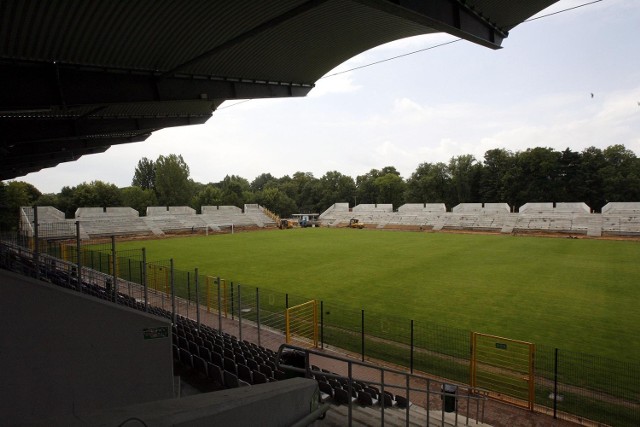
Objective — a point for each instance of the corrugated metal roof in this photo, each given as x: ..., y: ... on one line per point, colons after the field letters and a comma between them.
x: 74, y: 69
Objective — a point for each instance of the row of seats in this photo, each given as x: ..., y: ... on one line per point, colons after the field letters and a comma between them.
x: 223, y: 359
x: 335, y: 389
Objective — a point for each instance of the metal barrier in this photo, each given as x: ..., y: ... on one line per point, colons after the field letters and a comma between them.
x: 434, y: 393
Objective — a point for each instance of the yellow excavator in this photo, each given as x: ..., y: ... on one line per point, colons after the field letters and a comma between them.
x: 286, y: 224
x: 355, y: 223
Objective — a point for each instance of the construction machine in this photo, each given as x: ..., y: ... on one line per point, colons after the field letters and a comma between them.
x: 286, y: 224
x: 355, y: 223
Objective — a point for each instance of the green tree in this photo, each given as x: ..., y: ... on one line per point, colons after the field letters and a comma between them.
x: 620, y: 174
x: 262, y: 181
x: 463, y: 178
x: 209, y: 195
x: 391, y: 189
x: 13, y: 196
x: 145, y: 174
x: 235, y: 191
x: 277, y: 202
x: 430, y: 183
x: 497, y: 164
x: 172, y: 184
x: 535, y: 177
x: 367, y: 190
x: 307, y: 192
x: 138, y: 198
x: 97, y: 194
x: 335, y: 187
x: 48, y: 199
x: 592, y: 161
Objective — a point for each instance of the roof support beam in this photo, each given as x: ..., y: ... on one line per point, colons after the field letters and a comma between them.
x: 451, y: 16
x: 18, y: 163
x: 39, y: 85
x: 15, y: 132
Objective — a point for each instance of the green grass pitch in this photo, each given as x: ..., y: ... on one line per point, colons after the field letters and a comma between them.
x: 575, y: 294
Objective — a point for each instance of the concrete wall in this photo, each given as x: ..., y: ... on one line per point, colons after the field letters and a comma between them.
x: 89, y: 212
x: 65, y: 353
x: 122, y: 211
x: 467, y: 208
x: 281, y: 403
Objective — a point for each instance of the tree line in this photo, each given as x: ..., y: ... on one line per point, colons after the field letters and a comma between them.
x: 594, y: 176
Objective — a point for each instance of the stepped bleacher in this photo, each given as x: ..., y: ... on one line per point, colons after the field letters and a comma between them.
x: 124, y: 221
x: 573, y: 218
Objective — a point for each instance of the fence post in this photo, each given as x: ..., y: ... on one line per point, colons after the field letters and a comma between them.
x: 36, y: 241
x: 232, y: 301
x: 286, y: 301
x: 362, y: 333
x: 114, y: 265
x: 188, y: 292
x: 258, y: 313
x: 411, y: 356
x: 78, y: 258
x: 219, y: 306
x: 321, y: 324
x: 555, y: 385
x: 173, y: 292
x: 239, y: 314
x: 143, y: 277
x: 197, y: 301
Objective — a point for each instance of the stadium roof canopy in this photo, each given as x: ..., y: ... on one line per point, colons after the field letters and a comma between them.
x: 80, y: 76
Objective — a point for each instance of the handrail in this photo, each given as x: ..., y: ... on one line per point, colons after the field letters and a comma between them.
x: 473, y: 394
x: 313, y: 416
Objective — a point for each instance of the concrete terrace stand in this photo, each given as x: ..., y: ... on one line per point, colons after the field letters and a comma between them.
x: 572, y: 218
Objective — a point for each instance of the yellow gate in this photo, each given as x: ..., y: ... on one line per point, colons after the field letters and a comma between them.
x: 504, y: 366
x: 302, y: 323
x: 158, y: 278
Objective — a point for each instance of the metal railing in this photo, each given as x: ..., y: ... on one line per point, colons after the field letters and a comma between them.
x: 467, y: 404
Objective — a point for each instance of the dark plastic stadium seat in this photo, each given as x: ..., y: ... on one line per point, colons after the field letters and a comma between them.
x: 325, y: 389
x: 230, y: 380
x: 240, y: 359
x: 372, y: 391
x: 279, y: 375
x: 259, y: 377
x: 205, y: 353
x: 253, y: 365
x: 218, y: 350
x: 183, y: 343
x: 389, y: 401
x: 185, y: 358
x: 402, y: 402
x: 200, y: 365
x: 230, y: 365
x: 244, y: 373
x: 267, y: 371
x: 216, y: 359
x: 365, y: 399
x: 214, y: 372
x: 334, y: 383
x: 194, y: 348
x: 341, y: 396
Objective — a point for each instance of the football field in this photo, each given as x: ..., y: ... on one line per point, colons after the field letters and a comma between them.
x: 575, y: 294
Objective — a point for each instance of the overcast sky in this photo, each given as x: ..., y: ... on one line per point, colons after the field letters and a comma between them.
x: 428, y: 107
